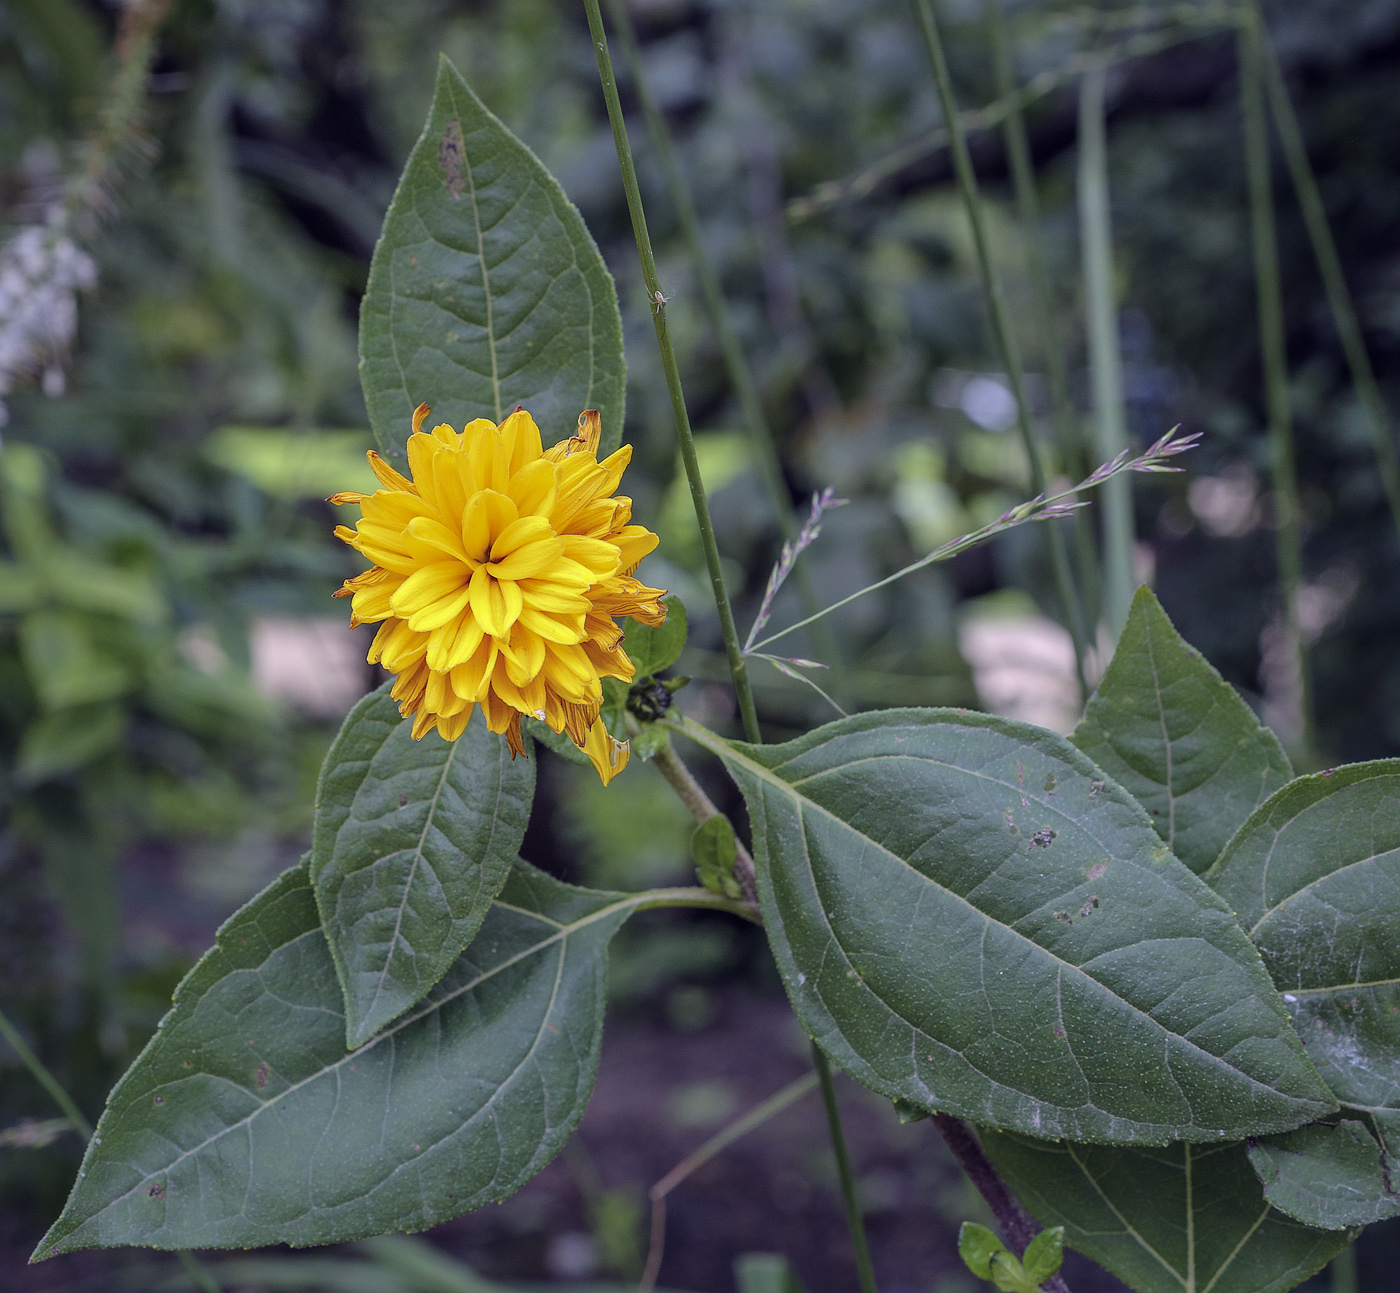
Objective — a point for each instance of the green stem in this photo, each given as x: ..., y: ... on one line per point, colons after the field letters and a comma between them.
x: 1044, y: 316
x: 1105, y: 357
x: 717, y: 1143
x: 1329, y: 263
x: 761, y: 439
x: 738, y: 668
x: 1001, y: 328
x: 854, y: 1221
x: 197, y: 1272
x: 43, y: 1077
x: 1273, y: 353
x: 1343, y: 1271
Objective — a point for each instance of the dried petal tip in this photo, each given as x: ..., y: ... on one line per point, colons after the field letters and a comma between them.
x: 419, y: 414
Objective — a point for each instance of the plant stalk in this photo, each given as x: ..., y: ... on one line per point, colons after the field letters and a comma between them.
x: 738, y: 667
x: 854, y: 1221
x: 40, y: 1073
x: 1001, y: 328
x: 44, y: 1078
x: 691, y: 1163
x: 692, y: 794
x: 761, y: 440
x: 1274, y: 356
x: 1105, y: 356
x: 1073, y: 454
x: 1017, y: 1225
x: 1329, y: 264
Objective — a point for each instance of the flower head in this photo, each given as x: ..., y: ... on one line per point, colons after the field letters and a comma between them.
x: 500, y: 569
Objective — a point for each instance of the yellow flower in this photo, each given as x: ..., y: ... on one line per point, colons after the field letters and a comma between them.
x: 499, y: 571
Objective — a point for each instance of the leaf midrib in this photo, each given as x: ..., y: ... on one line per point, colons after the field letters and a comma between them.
x: 728, y: 753
x: 413, y: 870
x: 562, y: 933
x: 480, y: 258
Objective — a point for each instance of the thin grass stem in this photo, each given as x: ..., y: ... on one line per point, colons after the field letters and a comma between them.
x: 691, y: 1163
x: 1273, y: 354
x: 761, y: 440
x: 1001, y: 328
x: 832, y: 193
x: 1037, y: 509
x: 1105, y: 357
x: 1329, y: 264
x: 1073, y: 453
x: 738, y: 668
x: 865, y: 1272
x: 40, y: 1073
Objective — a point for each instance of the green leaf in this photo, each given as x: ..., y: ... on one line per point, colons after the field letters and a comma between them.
x: 486, y: 290
x: 67, y: 660
x: 1179, y: 1219
x: 245, y: 1122
x: 558, y: 742
x: 715, y: 852
x: 57, y: 743
x: 1173, y: 733
x: 412, y: 841
x: 1314, y: 875
x: 977, y: 1246
x: 1331, y: 1177
x: 968, y: 916
x: 1044, y: 1255
x: 653, y: 649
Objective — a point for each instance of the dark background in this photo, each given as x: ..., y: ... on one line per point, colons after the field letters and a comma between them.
x: 232, y: 248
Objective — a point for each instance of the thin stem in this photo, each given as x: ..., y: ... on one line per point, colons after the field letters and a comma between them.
x: 1329, y: 263
x: 1044, y: 318
x: 854, y: 1220
x: 1037, y: 509
x: 737, y: 667
x: 691, y: 1163
x: 832, y: 193
x: 761, y: 439
x: 1342, y: 1271
x: 1105, y: 356
x: 198, y: 1272
x: 1005, y: 338
x: 1273, y: 354
x: 1017, y: 1225
x: 692, y: 794
x: 39, y: 1071
x: 44, y: 1078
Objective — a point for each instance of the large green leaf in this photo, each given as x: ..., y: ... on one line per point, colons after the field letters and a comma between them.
x: 969, y: 916
x: 1170, y: 730
x: 1179, y: 1219
x: 1314, y: 875
x: 1328, y: 1176
x: 412, y: 841
x: 245, y: 1121
x: 486, y: 290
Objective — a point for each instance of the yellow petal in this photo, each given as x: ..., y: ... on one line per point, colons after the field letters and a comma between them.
x: 434, y: 534
x: 487, y: 514
x: 428, y: 586
x: 598, y: 557
x: 532, y: 488
x: 566, y: 629
x: 388, y: 477
x: 521, y: 440
x: 531, y: 560
x: 608, y: 756
x: 496, y: 604
x: 528, y: 529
